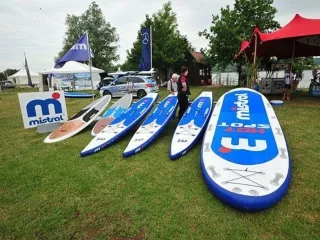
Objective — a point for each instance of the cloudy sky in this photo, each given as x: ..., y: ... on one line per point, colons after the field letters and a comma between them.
x: 37, y: 26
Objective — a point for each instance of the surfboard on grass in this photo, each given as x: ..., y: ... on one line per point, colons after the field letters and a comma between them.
x: 154, y: 124
x: 192, y: 125
x: 112, y: 113
x: 79, y: 121
x: 244, y: 158
x: 121, y: 125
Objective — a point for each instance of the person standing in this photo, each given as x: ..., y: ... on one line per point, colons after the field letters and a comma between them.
x: 183, y: 91
x: 288, y: 80
x: 172, y: 83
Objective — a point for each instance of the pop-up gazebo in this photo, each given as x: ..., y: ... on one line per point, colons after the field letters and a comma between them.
x: 299, y: 38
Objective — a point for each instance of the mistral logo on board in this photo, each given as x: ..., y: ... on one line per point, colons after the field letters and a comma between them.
x: 42, y: 108
x: 244, y: 132
x: 243, y: 111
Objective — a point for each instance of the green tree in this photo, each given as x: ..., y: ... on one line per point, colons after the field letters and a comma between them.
x: 235, y: 25
x: 168, y: 45
x: 102, y: 36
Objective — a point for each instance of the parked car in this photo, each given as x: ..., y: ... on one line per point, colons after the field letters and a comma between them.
x: 7, y: 84
x: 142, y: 85
x: 105, y: 82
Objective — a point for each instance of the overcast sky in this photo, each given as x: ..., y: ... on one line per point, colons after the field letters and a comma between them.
x: 39, y: 32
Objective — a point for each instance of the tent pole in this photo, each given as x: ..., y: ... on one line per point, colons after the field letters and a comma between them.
x: 90, y: 64
x: 254, y: 60
x: 246, y: 60
x: 293, y: 48
x: 151, y: 46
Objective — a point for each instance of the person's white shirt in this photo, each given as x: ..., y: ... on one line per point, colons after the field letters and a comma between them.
x: 174, y: 86
x: 288, y: 78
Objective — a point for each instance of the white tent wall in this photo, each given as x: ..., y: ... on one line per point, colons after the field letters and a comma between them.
x: 23, y: 81
x: 73, y: 75
x: 20, y: 79
x: 59, y: 84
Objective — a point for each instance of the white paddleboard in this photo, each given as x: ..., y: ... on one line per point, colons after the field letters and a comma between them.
x: 244, y: 158
x: 112, y: 113
x: 191, y: 125
x: 79, y: 121
x: 121, y: 125
x: 154, y: 124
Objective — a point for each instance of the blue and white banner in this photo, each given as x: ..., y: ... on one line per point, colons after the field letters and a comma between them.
x: 145, y: 60
x: 78, y: 52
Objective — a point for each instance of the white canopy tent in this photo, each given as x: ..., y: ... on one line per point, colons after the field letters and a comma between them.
x: 73, y: 67
x: 20, y: 78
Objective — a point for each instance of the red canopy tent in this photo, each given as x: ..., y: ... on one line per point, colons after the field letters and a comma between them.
x: 299, y: 38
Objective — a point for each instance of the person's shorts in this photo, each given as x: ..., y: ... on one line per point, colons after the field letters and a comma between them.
x: 287, y: 86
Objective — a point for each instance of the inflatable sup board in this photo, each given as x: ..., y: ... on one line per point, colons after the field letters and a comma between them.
x: 191, y: 125
x: 154, y: 124
x: 121, y: 125
x: 277, y: 102
x: 244, y: 158
x: 79, y: 121
x: 78, y: 95
x: 112, y: 113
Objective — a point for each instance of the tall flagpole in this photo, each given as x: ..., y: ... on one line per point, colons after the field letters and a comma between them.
x: 90, y: 64
x: 151, y: 45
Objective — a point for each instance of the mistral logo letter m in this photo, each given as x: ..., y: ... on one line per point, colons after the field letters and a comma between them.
x: 79, y: 46
x: 44, y: 104
x: 260, y: 145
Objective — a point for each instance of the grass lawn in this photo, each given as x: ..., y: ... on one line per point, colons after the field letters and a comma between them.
x: 47, y: 191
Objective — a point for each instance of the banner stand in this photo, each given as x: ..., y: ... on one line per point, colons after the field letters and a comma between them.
x: 50, y: 127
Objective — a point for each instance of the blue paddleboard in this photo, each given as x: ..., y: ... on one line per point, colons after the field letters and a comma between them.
x: 191, y: 125
x: 244, y: 158
x: 78, y: 95
x: 154, y: 124
x: 121, y: 125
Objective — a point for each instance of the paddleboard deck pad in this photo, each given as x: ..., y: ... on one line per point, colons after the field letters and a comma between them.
x: 79, y: 121
x: 154, y: 124
x: 191, y: 125
x: 121, y: 125
x: 244, y: 158
x: 112, y: 113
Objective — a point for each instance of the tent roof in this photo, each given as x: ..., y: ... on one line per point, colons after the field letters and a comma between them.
x: 72, y: 67
x: 298, y: 27
x: 301, y: 36
x: 23, y: 73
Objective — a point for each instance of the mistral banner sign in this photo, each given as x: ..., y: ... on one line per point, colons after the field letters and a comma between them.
x: 40, y: 108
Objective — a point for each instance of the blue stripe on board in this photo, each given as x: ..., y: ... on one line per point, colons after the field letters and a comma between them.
x: 198, y: 111
x: 134, y: 111
x: 160, y: 114
x: 115, y: 112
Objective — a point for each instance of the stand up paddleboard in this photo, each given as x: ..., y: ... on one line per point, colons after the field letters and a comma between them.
x: 112, y: 113
x: 244, y: 157
x: 154, y: 124
x: 191, y: 125
x: 79, y: 121
x: 121, y: 125
x: 78, y: 95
